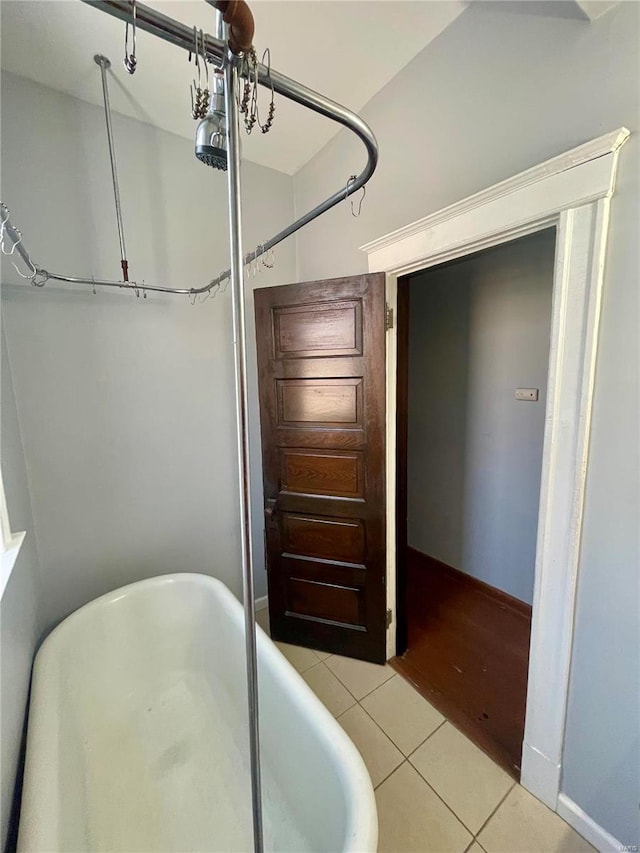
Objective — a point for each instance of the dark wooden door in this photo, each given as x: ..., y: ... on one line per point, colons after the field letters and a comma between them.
x: 321, y: 366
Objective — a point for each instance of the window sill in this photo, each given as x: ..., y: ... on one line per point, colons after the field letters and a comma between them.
x: 9, y: 557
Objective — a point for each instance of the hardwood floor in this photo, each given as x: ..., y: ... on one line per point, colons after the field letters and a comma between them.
x: 468, y: 652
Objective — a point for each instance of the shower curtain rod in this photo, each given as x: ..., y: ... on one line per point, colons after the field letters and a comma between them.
x: 179, y: 34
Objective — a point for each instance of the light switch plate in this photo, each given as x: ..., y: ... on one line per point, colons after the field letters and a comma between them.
x: 528, y: 394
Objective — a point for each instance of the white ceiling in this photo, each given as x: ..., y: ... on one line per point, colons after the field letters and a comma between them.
x: 344, y: 49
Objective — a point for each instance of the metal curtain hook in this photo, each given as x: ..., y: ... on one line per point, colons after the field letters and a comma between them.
x: 5, y: 219
x: 353, y: 212
x: 352, y: 179
x: 267, y: 256
x: 204, y: 58
x: 266, y: 127
x: 194, y: 87
x: 31, y: 275
x: 200, y: 96
x: 13, y: 247
x: 130, y: 61
x: 40, y: 278
x: 196, y: 51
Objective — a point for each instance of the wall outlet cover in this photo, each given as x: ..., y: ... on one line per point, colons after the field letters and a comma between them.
x: 529, y: 394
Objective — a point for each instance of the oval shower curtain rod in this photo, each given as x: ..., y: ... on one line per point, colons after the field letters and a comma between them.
x: 181, y: 35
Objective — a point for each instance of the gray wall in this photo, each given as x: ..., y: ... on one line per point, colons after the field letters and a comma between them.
x: 479, y: 330
x: 126, y: 404
x: 437, y: 414
x: 19, y: 609
x: 495, y: 94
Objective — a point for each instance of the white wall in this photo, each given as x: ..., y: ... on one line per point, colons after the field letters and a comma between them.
x: 480, y: 329
x: 19, y: 609
x: 494, y: 94
x: 126, y: 404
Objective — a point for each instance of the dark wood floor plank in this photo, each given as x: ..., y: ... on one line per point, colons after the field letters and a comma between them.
x: 468, y: 654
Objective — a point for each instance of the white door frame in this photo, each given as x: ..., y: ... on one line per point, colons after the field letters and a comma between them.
x: 571, y: 192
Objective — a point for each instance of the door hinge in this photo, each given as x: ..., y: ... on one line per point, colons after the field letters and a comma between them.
x: 388, y: 317
x: 389, y: 617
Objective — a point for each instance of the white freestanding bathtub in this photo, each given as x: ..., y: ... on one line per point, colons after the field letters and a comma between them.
x: 138, y: 739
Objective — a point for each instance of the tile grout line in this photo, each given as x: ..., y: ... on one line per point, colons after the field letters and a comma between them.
x: 331, y: 672
x: 393, y: 673
x: 278, y: 643
x: 313, y: 666
x: 355, y: 698
x: 389, y: 775
x: 387, y: 735
x: 422, y: 743
x: 513, y: 785
x: 405, y: 758
x: 444, y: 802
x: 382, y: 683
x: 456, y: 728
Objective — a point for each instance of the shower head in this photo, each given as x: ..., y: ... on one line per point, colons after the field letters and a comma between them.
x: 211, y: 142
x: 211, y: 134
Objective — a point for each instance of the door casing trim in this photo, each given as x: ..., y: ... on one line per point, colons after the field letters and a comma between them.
x: 571, y: 192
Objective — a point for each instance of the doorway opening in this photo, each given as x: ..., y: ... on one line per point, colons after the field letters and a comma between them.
x: 473, y: 358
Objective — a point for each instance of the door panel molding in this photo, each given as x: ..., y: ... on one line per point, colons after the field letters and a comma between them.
x: 336, y: 330
x: 326, y: 473
x: 322, y: 403
x: 337, y: 538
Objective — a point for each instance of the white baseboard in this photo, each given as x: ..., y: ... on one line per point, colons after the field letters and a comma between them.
x: 261, y: 603
x: 540, y: 776
x: 586, y: 826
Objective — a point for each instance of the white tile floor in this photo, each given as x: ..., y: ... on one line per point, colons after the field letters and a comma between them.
x: 435, y: 790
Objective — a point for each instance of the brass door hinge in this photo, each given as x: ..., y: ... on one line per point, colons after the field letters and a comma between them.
x: 389, y: 617
x: 388, y: 317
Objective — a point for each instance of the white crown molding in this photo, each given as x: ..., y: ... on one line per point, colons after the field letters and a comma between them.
x: 603, y: 145
x: 594, y: 9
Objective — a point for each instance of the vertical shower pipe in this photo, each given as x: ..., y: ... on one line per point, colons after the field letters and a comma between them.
x: 242, y: 403
x: 104, y: 64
